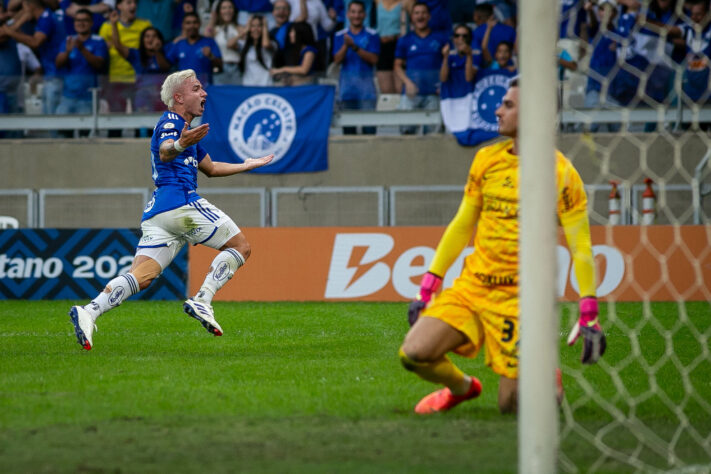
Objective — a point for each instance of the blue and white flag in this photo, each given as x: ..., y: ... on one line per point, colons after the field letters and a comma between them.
x: 290, y: 122
x: 469, y: 113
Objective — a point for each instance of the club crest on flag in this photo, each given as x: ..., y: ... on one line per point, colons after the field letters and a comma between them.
x: 486, y: 98
x: 469, y: 110
x: 262, y: 124
x: 292, y: 123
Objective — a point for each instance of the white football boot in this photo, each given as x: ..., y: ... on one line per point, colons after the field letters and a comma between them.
x: 83, y: 326
x: 203, y: 312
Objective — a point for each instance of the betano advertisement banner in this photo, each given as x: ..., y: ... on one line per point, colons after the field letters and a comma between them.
x: 634, y: 263
x: 75, y: 264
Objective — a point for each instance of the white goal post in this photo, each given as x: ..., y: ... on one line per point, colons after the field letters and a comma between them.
x: 538, y: 412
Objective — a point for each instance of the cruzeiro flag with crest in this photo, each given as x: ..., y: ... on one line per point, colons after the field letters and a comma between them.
x: 290, y: 122
x: 469, y: 110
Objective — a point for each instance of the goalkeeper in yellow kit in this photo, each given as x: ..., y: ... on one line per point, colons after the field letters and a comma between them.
x: 482, y: 307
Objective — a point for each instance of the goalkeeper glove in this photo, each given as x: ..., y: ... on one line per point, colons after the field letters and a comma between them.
x: 429, y: 285
x: 594, y: 342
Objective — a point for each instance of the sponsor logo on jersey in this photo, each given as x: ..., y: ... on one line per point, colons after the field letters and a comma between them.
x: 492, y: 280
x: 150, y: 204
x: 169, y: 134
x: 261, y: 125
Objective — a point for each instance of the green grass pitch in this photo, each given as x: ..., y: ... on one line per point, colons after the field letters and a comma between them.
x: 317, y: 388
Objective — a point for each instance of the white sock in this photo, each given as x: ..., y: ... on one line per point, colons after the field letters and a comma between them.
x: 221, y: 270
x: 121, y: 288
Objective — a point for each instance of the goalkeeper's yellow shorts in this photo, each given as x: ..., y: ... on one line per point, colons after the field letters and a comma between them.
x: 462, y: 308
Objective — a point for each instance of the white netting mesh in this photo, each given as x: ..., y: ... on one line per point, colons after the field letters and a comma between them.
x: 646, y: 406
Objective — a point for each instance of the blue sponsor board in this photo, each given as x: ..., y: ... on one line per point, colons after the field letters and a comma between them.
x: 54, y: 264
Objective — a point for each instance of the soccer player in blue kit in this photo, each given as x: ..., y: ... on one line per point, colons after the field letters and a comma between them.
x: 176, y: 214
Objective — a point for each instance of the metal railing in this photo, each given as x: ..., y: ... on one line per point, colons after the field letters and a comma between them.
x: 672, y: 117
x: 31, y: 203
x: 260, y: 192
x: 385, y: 205
x: 306, y: 190
x: 44, y: 193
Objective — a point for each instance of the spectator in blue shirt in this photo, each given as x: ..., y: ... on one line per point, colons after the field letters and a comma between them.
x: 694, y: 39
x: 418, y: 58
x: 440, y: 18
x: 194, y: 51
x: 84, y: 55
x: 148, y: 61
x: 299, y: 57
x: 368, y: 4
x: 10, y: 75
x: 97, y: 8
x: 646, y: 52
x: 603, y: 39
x: 356, y: 48
x: 46, y: 40
x: 503, y: 59
x: 281, y: 13
x: 490, y: 33
x: 572, y: 18
x: 458, y: 71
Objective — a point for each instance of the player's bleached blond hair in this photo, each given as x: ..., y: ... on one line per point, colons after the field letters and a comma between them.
x: 173, y: 82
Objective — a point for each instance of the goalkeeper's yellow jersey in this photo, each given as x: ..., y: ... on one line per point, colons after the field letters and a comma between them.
x: 491, y: 203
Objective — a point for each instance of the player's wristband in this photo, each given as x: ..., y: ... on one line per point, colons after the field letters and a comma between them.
x: 178, y: 148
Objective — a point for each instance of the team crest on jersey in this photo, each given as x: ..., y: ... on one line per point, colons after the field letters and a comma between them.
x: 262, y: 125
x: 169, y: 125
x: 487, y: 96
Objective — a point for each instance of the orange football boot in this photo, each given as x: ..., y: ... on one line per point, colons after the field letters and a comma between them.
x: 444, y: 399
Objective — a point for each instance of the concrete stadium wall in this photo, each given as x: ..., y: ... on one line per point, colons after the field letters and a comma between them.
x: 353, y: 161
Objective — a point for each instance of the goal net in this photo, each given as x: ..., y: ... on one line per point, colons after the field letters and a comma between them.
x: 635, y: 123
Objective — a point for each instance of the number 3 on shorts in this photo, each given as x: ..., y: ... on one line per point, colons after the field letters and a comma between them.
x: 508, y: 330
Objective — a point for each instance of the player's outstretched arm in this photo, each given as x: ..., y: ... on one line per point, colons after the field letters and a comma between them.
x: 170, y: 149
x: 217, y: 168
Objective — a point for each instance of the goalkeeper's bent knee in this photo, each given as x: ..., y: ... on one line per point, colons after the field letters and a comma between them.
x: 410, y: 364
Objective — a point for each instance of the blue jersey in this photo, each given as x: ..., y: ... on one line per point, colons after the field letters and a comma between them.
x: 456, y: 85
x: 176, y: 180
x: 499, y: 32
x: 151, y: 66
x: 97, y: 18
x: 357, y: 76
x: 11, y: 71
x: 254, y: 6
x: 53, y: 28
x: 572, y: 17
x: 440, y: 18
x: 189, y: 56
x: 423, y: 57
x: 80, y: 76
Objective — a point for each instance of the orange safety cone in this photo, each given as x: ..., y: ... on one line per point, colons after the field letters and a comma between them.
x: 649, y: 203
x: 614, y: 216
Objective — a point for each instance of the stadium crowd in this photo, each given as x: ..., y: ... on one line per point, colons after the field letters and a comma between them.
x: 62, y: 49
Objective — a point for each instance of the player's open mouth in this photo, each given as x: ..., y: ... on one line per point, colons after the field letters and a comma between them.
x: 202, y: 103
